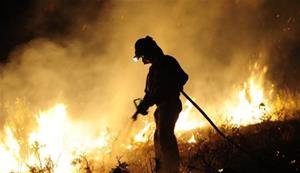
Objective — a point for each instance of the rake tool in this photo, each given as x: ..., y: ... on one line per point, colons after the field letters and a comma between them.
x: 253, y: 158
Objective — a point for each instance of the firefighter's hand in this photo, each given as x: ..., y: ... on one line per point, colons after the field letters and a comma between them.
x: 142, y: 109
x: 134, y: 117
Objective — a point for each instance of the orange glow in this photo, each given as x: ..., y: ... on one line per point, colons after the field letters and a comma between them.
x: 142, y: 135
x: 9, y: 152
x: 251, y: 103
x: 57, y: 138
x: 61, y: 139
x: 189, y: 119
x: 192, y: 140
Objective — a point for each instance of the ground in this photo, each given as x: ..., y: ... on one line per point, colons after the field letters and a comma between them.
x: 270, y: 146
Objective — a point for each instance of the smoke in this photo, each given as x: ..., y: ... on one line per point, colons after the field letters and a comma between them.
x: 81, y: 51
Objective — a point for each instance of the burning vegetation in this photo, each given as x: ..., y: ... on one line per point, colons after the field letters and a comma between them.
x: 66, y: 86
x: 56, y: 143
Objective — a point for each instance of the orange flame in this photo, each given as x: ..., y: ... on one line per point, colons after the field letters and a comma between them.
x: 61, y: 139
x: 251, y: 103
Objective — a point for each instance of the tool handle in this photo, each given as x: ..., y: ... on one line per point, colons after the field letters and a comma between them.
x: 135, y: 115
x: 136, y: 104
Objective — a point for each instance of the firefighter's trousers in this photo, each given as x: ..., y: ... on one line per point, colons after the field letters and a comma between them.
x: 165, y: 143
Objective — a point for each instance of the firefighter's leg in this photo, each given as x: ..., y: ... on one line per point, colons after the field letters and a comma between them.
x: 157, y: 147
x: 168, y: 115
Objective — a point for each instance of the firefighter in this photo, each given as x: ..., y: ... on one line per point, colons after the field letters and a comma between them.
x: 164, y: 82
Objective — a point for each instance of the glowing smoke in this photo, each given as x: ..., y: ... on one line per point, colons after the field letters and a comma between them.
x: 81, y: 52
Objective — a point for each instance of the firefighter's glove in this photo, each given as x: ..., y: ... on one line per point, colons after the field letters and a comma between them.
x: 142, y: 108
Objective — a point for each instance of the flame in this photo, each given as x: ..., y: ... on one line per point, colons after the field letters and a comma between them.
x: 251, y: 103
x: 56, y: 138
x: 188, y: 119
x: 61, y: 139
x: 9, y: 152
x: 141, y: 136
x: 52, y: 133
x: 192, y: 140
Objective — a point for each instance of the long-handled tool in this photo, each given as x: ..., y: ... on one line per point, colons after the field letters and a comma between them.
x: 208, y: 119
x: 257, y: 161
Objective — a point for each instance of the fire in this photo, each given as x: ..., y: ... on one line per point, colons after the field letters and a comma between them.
x: 141, y: 136
x: 251, y: 103
x: 192, y: 140
x: 188, y: 119
x: 9, y: 152
x: 57, y: 139
x: 52, y: 134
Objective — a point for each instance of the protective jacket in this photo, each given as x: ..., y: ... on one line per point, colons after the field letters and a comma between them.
x: 165, y: 80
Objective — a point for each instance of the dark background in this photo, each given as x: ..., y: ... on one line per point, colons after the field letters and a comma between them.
x: 24, y: 20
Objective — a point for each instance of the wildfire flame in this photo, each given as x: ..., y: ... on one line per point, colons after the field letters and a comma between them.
x: 56, y: 138
x: 251, y: 103
x: 9, y: 151
x: 192, y: 140
x: 188, y: 119
x: 59, y: 138
x: 141, y: 136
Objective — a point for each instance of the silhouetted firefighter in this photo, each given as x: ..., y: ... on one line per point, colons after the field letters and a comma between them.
x: 164, y: 82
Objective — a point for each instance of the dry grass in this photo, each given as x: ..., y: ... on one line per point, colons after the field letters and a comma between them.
x: 271, y: 146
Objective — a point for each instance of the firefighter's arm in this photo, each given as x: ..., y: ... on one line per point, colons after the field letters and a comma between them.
x: 142, y: 108
x: 144, y: 105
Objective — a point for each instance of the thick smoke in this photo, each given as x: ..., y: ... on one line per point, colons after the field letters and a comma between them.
x: 81, y: 51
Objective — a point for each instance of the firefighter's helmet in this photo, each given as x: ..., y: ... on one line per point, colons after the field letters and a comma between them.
x: 146, y: 47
